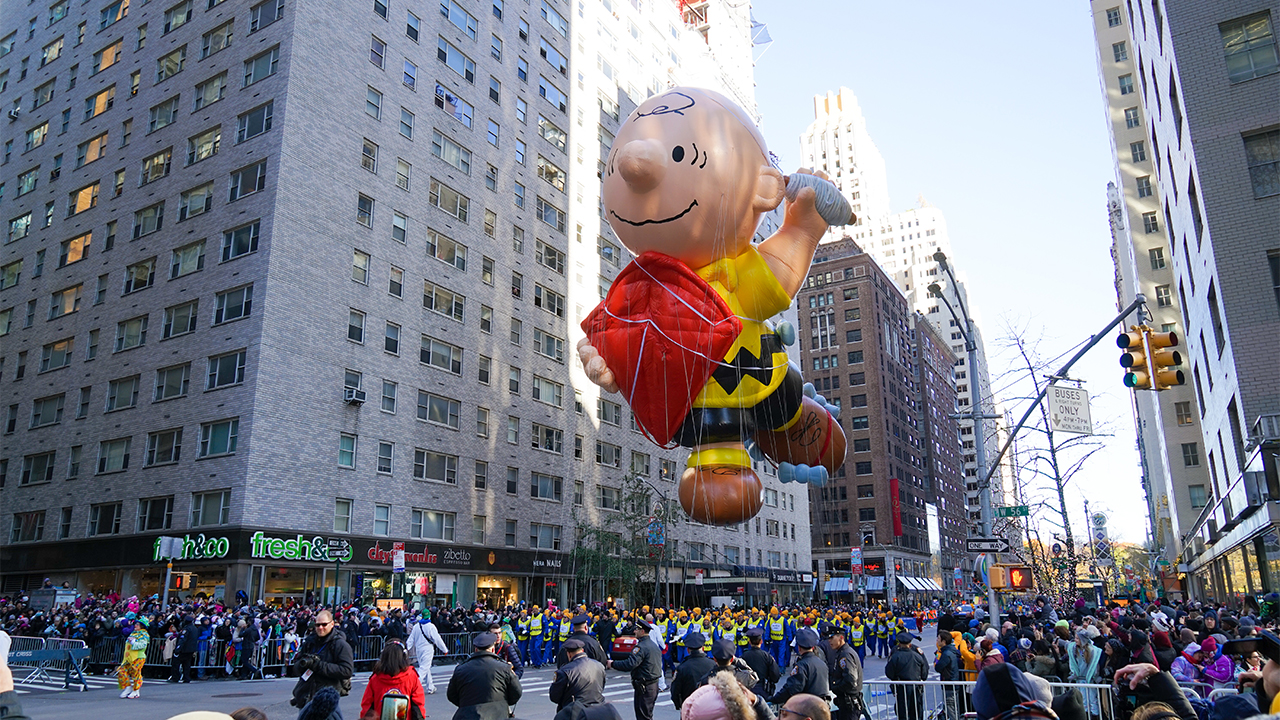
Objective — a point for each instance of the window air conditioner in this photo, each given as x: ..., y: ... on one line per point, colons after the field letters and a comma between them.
x: 353, y: 396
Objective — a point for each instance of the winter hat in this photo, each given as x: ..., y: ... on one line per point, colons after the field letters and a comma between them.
x: 1070, y: 706
x: 1044, y: 693
x: 1160, y: 640
x: 1001, y: 687
x: 721, y: 698
x: 1025, y: 643
x: 1234, y: 707
x: 1191, y: 649
x: 323, y: 706
x: 1137, y: 640
x: 1209, y: 646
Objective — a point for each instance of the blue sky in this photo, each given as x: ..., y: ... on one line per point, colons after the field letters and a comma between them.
x: 994, y: 114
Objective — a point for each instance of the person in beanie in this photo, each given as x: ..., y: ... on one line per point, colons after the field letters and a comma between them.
x: 907, y: 663
x: 691, y: 671
x: 809, y: 676
x: 484, y: 686
x: 1003, y: 687
x: 129, y: 674
x: 322, y: 706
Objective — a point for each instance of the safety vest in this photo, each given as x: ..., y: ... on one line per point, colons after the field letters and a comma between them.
x: 548, y: 627
x: 729, y: 633
x: 777, y: 629
x: 742, y: 633
x: 565, y: 629
x: 855, y: 635
x: 535, y: 625
x: 696, y: 626
x: 682, y: 629
x: 522, y: 629
x: 882, y: 629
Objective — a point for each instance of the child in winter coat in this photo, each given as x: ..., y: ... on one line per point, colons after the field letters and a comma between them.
x: 1186, y: 667
x: 1218, y: 668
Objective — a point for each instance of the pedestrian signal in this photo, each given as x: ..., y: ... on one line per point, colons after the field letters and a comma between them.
x: 1020, y: 578
x: 1162, y: 361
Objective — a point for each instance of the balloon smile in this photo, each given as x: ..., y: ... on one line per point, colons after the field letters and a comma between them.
x: 675, y: 217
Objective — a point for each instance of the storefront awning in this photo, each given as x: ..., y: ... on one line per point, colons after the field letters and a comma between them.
x: 875, y: 583
x: 919, y: 584
x: 837, y: 585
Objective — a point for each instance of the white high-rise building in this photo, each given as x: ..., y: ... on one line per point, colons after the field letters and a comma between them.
x: 903, y: 244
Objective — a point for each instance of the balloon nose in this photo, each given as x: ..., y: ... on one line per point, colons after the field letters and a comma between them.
x: 641, y: 164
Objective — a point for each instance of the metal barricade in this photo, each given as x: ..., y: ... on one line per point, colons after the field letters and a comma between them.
x: 951, y: 700
x: 459, y: 645
x: 23, y: 642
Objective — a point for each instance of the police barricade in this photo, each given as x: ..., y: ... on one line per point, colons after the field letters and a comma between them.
x: 459, y: 645
x: 25, y: 643
x: 951, y: 700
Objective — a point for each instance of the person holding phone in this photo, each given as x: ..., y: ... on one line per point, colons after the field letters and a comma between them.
x: 393, y: 672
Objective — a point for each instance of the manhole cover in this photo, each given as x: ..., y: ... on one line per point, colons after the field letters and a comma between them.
x: 236, y: 695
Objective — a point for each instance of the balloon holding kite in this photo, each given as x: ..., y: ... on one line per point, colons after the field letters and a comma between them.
x: 684, y: 332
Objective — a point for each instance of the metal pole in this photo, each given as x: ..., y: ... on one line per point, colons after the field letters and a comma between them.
x: 168, y: 578
x: 980, y: 450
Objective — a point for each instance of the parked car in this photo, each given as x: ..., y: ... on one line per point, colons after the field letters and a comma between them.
x: 622, y: 647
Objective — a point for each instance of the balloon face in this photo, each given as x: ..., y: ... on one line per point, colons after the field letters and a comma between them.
x: 682, y: 177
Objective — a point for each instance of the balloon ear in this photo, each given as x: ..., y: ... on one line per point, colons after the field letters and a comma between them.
x: 770, y: 189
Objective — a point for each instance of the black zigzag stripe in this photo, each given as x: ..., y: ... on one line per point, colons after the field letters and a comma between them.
x: 746, y: 364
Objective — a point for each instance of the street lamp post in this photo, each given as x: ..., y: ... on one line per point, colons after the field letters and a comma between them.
x: 965, y: 324
x: 662, y: 554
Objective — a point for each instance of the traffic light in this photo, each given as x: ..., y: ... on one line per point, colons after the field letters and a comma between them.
x: 1020, y: 578
x: 897, y: 568
x: 1162, y: 362
x: 999, y: 580
x: 1134, y: 358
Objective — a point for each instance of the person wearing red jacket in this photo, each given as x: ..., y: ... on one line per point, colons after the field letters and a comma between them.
x: 393, y: 672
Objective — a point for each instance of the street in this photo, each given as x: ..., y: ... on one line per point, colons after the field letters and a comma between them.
x: 161, y: 700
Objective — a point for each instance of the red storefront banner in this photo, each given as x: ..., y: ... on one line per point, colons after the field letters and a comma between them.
x: 896, y: 507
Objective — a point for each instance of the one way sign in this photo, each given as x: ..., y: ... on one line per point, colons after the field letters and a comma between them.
x: 987, y: 545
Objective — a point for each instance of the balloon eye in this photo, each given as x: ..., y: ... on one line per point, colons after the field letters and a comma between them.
x: 677, y: 153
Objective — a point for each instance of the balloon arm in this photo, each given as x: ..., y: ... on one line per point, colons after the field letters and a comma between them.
x: 595, y: 367
x: 789, y: 251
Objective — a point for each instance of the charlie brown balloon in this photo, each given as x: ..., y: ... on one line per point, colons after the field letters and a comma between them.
x: 684, y: 332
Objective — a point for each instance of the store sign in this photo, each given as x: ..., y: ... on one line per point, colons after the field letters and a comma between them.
x: 790, y: 576
x: 895, y: 506
x: 196, y: 548
x: 298, y: 548
x: 380, y: 555
x: 546, y: 563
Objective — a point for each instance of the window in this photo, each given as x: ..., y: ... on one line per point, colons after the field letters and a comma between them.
x: 863, y: 468
x: 451, y: 152
x: 347, y: 450
x: 239, y: 242
x: 261, y: 66
x: 413, y: 27
x: 36, y: 136
x: 82, y: 199
x: 608, y: 455
x: 548, y: 391
x: 1164, y: 298
x: 180, y: 319
x: 386, y: 451
x: 1250, y: 47
x: 449, y: 200
x: 122, y: 393
x: 454, y: 105
x: 391, y: 339
x: 226, y: 369
x: 219, y: 438
x: 442, y: 300
x: 43, y: 94
x: 57, y: 354
x: 432, y: 525
x: 171, y: 64
x: 555, y: 19
x: 428, y: 465
x: 1144, y: 186
x: 46, y: 411
x: 148, y: 220
x: 377, y: 52
x: 62, y: 302
x: 1262, y: 152
x: 399, y: 231
x: 164, y: 447
x: 1191, y: 454
x: 553, y: 56
x: 1113, y: 16
x: 204, y: 145
x: 446, y: 250
x: 164, y: 114
x: 485, y: 367
x: 548, y: 345
x: 438, y: 410
x: 139, y: 276
x: 171, y: 382
x: 254, y: 123
x: 1199, y: 498
x: 247, y: 181
x: 364, y: 210
x: 1126, y: 84
x: 551, y: 133
x: 216, y: 39
x: 233, y: 304
x: 482, y: 422
x: 99, y: 103
x: 544, y: 487
x: 104, y: 519
x: 403, y: 170
x: 456, y: 60
x: 1138, y: 151
x: 342, y: 515
x: 210, y: 508
x: 373, y: 104
x: 513, y: 380
x: 382, y: 520
x: 27, y: 527
x: 866, y: 514
x: 550, y: 214
x: 492, y: 136
x: 1183, y: 411
x: 155, y: 513
x: 609, y: 412
x: 131, y: 333
x: 113, y: 455
x: 1149, y: 222
x: 552, y: 94
x: 1120, y: 51
x: 1157, y: 258
x: 441, y: 355
x: 491, y: 174
x: 1132, y: 118
x: 406, y: 123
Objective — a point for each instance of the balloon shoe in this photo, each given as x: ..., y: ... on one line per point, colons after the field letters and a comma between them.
x: 720, y: 488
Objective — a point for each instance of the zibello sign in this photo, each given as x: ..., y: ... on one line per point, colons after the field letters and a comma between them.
x: 315, y: 549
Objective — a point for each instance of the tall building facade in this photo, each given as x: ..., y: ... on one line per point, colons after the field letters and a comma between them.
x: 1174, y: 467
x: 866, y: 351
x: 1208, y: 76
x: 219, y: 219
x: 903, y: 244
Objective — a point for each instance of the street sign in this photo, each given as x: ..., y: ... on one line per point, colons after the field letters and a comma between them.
x: 991, y: 545
x: 1069, y: 410
x: 1057, y: 549
x: 1013, y: 511
x: 397, y: 557
x: 337, y: 547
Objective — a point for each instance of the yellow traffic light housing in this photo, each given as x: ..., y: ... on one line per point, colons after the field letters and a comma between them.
x: 1163, y: 362
x: 999, y: 579
x: 1134, y: 358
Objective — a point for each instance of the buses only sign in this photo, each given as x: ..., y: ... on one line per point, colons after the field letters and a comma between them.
x: 1069, y: 410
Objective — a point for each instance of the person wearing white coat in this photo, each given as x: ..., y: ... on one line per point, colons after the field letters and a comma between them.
x: 424, y: 639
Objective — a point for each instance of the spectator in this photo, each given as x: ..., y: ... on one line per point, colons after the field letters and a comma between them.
x: 393, y: 672
x: 325, y: 660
